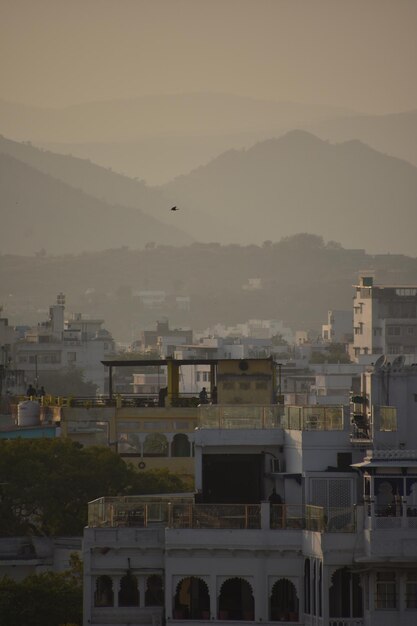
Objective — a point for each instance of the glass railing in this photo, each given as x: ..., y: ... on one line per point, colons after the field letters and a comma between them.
x: 226, y: 516
x: 314, y: 417
x: 236, y: 416
x: 287, y: 516
x: 387, y: 418
x: 137, y: 511
x: 183, y: 513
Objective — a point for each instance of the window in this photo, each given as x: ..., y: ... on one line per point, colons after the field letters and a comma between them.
x: 129, y: 594
x: 261, y: 385
x: 406, y: 292
x: 103, y: 595
x: 71, y: 357
x: 386, y: 596
x: 411, y: 590
x: 357, y: 351
x: 394, y: 330
x: 244, y: 385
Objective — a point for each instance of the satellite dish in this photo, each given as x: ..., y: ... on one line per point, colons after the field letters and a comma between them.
x: 379, y: 363
x: 398, y: 363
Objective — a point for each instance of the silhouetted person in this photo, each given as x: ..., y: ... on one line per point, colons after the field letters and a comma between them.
x: 42, y: 392
x: 275, y: 498
x: 276, y: 512
x: 203, y: 396
x: 163, y: 392
x: 31, y: 391
x: 214, y: 395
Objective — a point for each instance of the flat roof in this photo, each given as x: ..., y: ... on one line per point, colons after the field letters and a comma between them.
x: 157, y: 362
x: 179, y: 362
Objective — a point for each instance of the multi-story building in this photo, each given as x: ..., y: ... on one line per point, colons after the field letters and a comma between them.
x: 301, y: 515
x: 59, y: 343
x: 384, y: 320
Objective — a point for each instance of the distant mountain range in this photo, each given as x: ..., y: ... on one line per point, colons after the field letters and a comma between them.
x: 394, y: 134
x: 298, y: 183
x: 176, y: 115
x: 41, y: 213
x: 158, y: 137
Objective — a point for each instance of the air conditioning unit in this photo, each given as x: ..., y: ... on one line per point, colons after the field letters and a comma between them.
x: 277, y: 466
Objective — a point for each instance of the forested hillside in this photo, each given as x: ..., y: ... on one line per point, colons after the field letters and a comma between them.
x: 301, y: 278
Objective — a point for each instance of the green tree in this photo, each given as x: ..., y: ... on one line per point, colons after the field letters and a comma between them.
x: 47, y: 599
x: 47, y: 484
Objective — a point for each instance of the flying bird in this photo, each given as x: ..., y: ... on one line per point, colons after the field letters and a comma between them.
x: 174, y: 208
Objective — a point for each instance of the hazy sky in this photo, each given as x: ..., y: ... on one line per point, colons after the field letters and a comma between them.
x: 360, y: 54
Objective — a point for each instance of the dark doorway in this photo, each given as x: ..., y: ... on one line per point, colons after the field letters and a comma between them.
x: 232, y: 478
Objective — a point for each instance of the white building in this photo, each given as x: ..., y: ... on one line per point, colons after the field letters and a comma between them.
x: 59, y: 343
x: 337, y: 545
x: 384, y: 320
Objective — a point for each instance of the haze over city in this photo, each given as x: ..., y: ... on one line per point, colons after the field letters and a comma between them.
x: 208, y: 312
x: 259, y: 120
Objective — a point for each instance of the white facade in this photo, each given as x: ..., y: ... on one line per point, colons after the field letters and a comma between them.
x: 58, y: 344
x: 384, y: 319
x: 333, y: 546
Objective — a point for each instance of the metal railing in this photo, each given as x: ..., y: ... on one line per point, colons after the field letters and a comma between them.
x: 181, y: 512
x: 223, y: 516
x: 237, y: 416
x: 313, y: 417
x: 138, y: 511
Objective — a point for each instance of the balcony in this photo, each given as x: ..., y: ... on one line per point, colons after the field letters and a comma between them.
x: 237, y: 416
x: 322, y: 418
x: 180, y: 512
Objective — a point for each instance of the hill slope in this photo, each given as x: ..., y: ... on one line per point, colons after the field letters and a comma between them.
x: 99, y: 182
x: 348, y: 192
x: 394, y: 134
x: 41, y: 212
x: 301, y: 278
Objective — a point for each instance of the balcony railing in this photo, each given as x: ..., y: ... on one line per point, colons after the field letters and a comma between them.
x: 235, y: 416
x: 237, y: 516
x: 398, y: 515
x: 183, y: 513
x: 313, y: 417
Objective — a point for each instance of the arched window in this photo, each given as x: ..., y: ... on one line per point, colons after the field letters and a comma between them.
x: 180, y: 445
x: 103, y: 595
x: 345, y: 594
x: 283, y: 602
x: 154, y: 594
x: 236, y: 600
x: 129, y: 593
x: 156, y: 444
x: 307, y: 589
x: 192, y: 600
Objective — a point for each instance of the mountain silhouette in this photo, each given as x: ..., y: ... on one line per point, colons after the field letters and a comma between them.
x: 346, y: 192
x: 41, y: 212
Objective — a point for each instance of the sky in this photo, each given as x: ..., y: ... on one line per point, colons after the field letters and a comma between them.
x: 357, y: 54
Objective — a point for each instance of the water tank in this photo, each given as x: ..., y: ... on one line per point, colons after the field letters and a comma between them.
x: 28, y: 413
